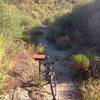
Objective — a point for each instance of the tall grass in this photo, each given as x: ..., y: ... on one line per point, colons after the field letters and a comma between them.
x: 91, y: 89
x: 44, y: 9
x: 13, y: 23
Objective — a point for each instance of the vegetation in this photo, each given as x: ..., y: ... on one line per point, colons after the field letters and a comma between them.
x: 2, y: 78
x: 91, y: 89
x: 42, y: 9
x: 91, y: 66
x: 81, y: 61
x: 19, y: 22
x: 77, y: 24
x: 40, y: 49
x: 15, y: 52
x: 95, y: 67
x: 67, y: 25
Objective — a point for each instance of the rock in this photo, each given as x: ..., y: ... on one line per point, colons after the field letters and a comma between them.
x: 36, y: 95
x: 18, y: 94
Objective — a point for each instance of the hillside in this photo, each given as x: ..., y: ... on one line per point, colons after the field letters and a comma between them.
x: 67, y: 32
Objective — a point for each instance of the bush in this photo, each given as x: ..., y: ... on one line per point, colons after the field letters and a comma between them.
x: 80, y: 61
x: 10, y: 22
x: 13, y: 22
x: 40, y: 49
x: 79, y: 23
x: 91, y: 89
x: 88, y: 66
x: 30, y: 27
x: 54, y: 32
x: 24, y: 69
x: 63, y: 42
x: 95, y: 67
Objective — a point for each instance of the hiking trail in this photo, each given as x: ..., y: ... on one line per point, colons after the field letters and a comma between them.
x: 65, y: 86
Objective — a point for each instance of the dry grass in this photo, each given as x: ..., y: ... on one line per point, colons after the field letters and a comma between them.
x: 91, y: 89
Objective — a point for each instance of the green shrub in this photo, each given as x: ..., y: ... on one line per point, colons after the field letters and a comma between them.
x: 95, y: 67
x: 10, y: 22
x: 30, y: 27
x: 91, y: 89
x: 54, y: 32
x: 40, y: 49
x: 29, y: 23
x: 13, y: 22
x: 81, y: 61
x: 61, y: 21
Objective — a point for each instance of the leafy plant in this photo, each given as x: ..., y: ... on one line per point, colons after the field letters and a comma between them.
x: 54, y: 32
x: 80, y: 61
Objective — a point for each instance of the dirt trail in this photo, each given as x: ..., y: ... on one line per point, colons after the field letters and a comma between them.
x: 65, y: 85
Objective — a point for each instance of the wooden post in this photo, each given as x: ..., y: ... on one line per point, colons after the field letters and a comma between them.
x: 40, y: 70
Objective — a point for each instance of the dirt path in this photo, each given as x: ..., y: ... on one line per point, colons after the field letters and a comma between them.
x: 65, y: 85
